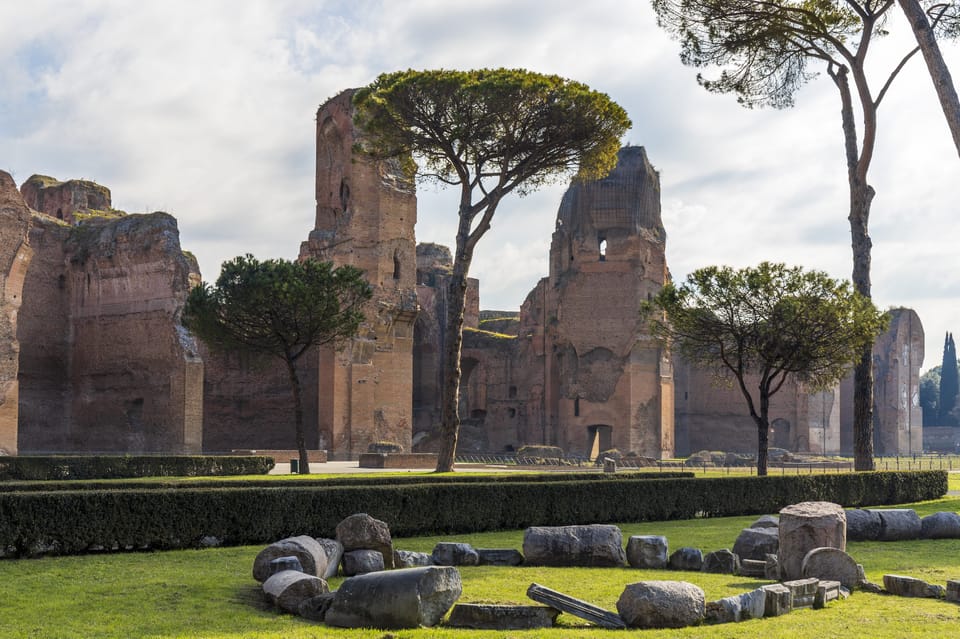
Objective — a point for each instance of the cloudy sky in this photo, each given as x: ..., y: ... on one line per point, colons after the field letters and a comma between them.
x: 205, y: 109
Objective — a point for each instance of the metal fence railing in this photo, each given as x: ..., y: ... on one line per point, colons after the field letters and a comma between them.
x: 913, y: 462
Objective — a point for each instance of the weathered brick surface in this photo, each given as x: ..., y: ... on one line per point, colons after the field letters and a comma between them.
x: 15, y: 258
x: 103, y: 362
x: 579, y: 367
x: 62, y: 200
x: 366, y: 211
x: 106, y: 366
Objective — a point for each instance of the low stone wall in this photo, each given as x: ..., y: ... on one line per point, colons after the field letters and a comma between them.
x: 398, y: 460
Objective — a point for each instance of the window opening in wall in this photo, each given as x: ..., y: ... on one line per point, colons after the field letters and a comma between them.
x: 59, y: 214
x: 513, y: 392
x: 344, y: 195
x: 511, y: 412
x: 603, y: 248
x: 396, y: 265
x: 576, y: 407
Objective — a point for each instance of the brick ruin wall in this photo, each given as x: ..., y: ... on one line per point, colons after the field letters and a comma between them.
x: 15, y: 257
x: 104, y: 364
x: 97, y: 361
x: 576, y: 365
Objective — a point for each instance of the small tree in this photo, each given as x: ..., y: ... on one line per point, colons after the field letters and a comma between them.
x: 490, y: 132
x: 949, y: 384
x: 930, y: 396
x: 281, y: 309
x: 771, y: 322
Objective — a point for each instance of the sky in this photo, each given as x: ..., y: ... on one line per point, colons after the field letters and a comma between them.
x: 205, y: 109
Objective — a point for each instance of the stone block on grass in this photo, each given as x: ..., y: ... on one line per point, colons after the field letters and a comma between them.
x: 726, y: 610
x: 904, y: 586
x: 410, y: 559
x: 863, y: 525
x: 359, y: 562
x: 501, y: 617
x: 899, y: 524
x: 756, y: 543
x: 952, y: 592
x: 778, y: 600
x: 721, y: 562
x: 334, y: 552
x: 499, y: 557
x: 312, y: 557
x: 686, y: 559
x: 592, y: 545
x: 360, y: 531
x: 394, y: 599
x: 289, y: 588
x: 942, y: 525
x: 753, y: 604
x: 662, y: 604
x: 447, y: 553
x: 647, y: 551
x: 805, y: 526
x: 831, y: 564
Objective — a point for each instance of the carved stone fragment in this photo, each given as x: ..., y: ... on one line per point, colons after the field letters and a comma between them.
x: 575, y: 607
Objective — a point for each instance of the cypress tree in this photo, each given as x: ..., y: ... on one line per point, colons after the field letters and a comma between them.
x: 949, y: 383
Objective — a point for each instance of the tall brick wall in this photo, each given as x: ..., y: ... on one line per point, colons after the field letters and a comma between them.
x: 897, y: 417
x: 366, y: 212
x: 105, y: 365
x: 15, y: 257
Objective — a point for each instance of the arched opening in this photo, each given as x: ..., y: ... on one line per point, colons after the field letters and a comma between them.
x: 600, y: 438
x: 603, y: 247
x: 780, y: 435
x: 396, y: 264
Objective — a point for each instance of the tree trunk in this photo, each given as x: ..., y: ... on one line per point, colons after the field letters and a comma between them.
x: 449, y: 414
x: 763, y: 430
x: 939, y: 73
x: 298, y: 415
x: 861, y: 197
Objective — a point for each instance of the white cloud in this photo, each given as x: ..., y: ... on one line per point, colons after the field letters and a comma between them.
x: 205, y: 109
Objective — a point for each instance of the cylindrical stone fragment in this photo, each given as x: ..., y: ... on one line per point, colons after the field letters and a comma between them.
x: 805, y: 526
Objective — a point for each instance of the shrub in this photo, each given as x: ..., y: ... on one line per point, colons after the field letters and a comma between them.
x: 33, y: 523
x: 61, y: 467
x: 345, y: 480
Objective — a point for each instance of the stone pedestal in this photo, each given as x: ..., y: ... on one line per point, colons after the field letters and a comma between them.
x: 805, y: 526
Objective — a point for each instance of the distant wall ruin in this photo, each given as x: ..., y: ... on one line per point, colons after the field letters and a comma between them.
x: 103, y: 363
x: 94, y: 358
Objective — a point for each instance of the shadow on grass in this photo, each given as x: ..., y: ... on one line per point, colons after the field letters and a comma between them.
x: 252, y: 596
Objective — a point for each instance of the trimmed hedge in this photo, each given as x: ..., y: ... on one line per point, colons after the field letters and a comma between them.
x: 346, y: 480
x: 61, y: 467
x: 70, y: 522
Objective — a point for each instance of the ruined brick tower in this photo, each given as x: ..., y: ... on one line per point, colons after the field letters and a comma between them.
x: 366, y: 212
x: 608, y: 384
x: 576, y: 369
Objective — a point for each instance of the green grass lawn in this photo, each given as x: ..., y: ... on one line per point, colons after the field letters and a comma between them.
x: 210, y: 593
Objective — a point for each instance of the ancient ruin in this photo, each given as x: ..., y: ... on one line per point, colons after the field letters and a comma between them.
x: 103, y: 362
x: 96, y: 359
